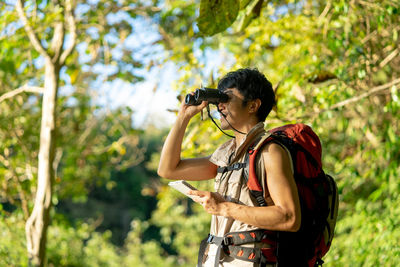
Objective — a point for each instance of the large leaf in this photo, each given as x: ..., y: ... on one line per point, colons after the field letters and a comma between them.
x: 250, y: 13
x: 217, y: 15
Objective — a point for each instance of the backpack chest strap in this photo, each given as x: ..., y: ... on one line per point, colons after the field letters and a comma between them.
x: 233, y: 167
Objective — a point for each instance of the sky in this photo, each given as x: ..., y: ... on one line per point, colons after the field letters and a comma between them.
x: 150, y: 100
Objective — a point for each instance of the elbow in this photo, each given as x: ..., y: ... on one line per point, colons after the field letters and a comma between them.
x: 163, y: 169
x: 293, y: 222
x: 162, y: 173
x: 165, y: 173
x: 168, y: 171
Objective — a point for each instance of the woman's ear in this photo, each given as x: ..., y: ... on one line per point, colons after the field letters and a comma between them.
x: 254, y: 105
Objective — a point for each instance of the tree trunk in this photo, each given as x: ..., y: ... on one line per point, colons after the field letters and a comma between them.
x: 38, y: 222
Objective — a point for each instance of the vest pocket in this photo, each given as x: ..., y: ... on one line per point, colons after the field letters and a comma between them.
x: 217, y: 182
x: 234, y: 185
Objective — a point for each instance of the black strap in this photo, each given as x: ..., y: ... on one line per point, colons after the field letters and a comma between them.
x: 259, y: 196
x: 212, y: 119
x: 211, y: 239
x: 319, y: 262
x: 233, y: 167
x: 202, y: 251
x: 251, y: 236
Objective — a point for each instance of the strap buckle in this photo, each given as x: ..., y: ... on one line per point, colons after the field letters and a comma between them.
x: 224, y: 241
x: 236, y: 165
x: 222, y: 169
x: 210, y: 238
x: 228, y: 240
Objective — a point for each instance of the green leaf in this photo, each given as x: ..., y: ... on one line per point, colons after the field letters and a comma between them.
x: 217, y: 15
x: 252, y: 12
x: 244, y: 3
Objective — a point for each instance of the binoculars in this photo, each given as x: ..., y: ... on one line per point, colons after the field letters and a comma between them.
x: 213, y: 96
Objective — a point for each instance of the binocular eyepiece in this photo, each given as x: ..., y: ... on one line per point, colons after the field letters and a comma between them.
x: 213, y: 96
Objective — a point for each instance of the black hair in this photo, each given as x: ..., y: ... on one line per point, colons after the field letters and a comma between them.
x: 252, y: 84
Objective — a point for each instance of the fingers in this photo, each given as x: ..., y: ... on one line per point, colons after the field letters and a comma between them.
x: 203, y: 104
x: 190, y: 110
x: 196, y: 193
x: 201, y: 197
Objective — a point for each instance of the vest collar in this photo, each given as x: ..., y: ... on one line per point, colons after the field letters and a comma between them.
x: 227, y: 153
x: 250, y: 137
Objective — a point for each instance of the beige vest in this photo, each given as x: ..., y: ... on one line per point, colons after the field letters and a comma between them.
x: 231, y: 185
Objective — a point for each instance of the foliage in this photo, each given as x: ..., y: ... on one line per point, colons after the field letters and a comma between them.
x: 139, y: 253
x: 90, y: 144
x: 363, y: 43
x: 92, y: 231
x: 216, y: 16
x: 109, y: 202
x: 81, y: 246
x: 334, y: 65
x: 101, y: 43
x: 12, y: 245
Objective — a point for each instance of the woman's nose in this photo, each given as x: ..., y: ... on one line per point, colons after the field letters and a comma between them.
x: 221, y: 106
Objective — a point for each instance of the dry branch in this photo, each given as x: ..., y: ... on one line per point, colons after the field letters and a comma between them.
x: 25, y: 88
x: 72, y: 30
x: 31, y: 34
x: 391, y: 56
x: 364, y: 95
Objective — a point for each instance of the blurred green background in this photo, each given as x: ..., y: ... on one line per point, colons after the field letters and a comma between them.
x: 335, y: 65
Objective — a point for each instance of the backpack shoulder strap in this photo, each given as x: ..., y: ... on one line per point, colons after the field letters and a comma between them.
x: 250, y: 174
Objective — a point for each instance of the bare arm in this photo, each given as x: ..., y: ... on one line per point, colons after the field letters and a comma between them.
x: 284, y: 215
x: 171, y: 165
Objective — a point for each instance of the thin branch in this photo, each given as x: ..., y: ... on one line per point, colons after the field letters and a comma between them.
x: 72, y: 30
x: 326, y: 10
x: 370, y: 5
x: 31, y: 34
x: 389, y: 57
x: 166, y: 37
x: 25, y: 88
x: 88, y: 130
x: 369, y: 36
x: 57, y: 160
x: 364, y: 95
x: 141, y: 10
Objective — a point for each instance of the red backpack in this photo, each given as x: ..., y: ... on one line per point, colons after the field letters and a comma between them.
x: 318, y: 197
x: 318, y: 193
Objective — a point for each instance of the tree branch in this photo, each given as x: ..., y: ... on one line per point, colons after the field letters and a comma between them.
x: 392, y: 55
x: 57, y: 41
x: 72, y: 30
x: 364, y: 95
x: 325, y: 11
x: 141, y: 10
x: 370, y: 5
x: 57, y: 159
x: 31, y: 34
x: 25, y: 88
